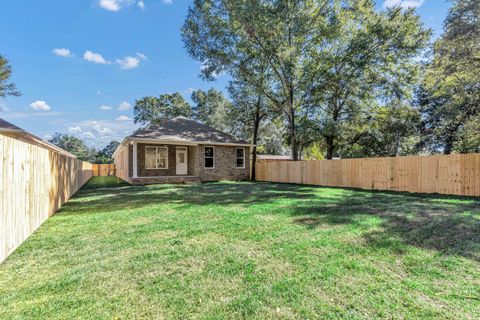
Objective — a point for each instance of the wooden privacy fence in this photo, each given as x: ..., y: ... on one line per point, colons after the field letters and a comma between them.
x: 103, y: 170
x: 445, y: 174
x: 34, y: 182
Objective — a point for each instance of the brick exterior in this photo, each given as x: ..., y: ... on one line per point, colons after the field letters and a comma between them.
x: 225, y: 163
x: 171, y: 170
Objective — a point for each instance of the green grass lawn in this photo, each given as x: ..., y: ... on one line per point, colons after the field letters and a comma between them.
x: 247, y: 250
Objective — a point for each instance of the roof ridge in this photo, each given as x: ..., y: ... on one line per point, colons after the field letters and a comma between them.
x: 183, y: 128
x: 207, y: 126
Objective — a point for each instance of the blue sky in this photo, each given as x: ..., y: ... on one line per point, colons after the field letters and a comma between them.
x: 81, y: 64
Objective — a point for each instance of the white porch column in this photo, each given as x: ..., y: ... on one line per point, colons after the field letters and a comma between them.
x: 135, y: 155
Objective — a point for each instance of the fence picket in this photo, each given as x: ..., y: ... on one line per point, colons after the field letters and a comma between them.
x: 34, y: 183
x: 457, y: 174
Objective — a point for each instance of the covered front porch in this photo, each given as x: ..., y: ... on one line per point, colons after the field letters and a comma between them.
x: 163, y: 162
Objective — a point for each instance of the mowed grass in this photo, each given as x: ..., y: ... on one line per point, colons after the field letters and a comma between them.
x: 248, y: 251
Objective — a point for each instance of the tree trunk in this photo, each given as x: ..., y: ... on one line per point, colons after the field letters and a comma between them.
x: 330, y: 140
x: 447, y: 149
x: 330, y: 147
x: 256, y: 125
x: 293, y: 138
x: 291, y: 117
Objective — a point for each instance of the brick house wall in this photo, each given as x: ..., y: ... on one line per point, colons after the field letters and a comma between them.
x: 171, y: 170
x: 225, y: 163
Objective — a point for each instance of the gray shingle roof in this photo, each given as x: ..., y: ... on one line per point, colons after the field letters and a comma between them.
x: 183, y: 129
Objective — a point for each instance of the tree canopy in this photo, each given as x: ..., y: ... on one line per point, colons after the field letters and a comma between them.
x: 212, y: 108
x: 106, y: 154
x: 6, y: 88
x: 74, y: 145
x: 332, y: 78
x: 335, y: 56
x: 450, y: 94
x: 79, y: 148
x: 153, y: 110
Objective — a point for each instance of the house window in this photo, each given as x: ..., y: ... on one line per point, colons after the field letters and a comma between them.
x: 156, y: 158
x: 240, y: 158
x: 209, y: 157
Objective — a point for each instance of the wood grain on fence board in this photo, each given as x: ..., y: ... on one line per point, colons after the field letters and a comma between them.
x: 103, y: 170
x: 457, y: 174
x: 34, y: 183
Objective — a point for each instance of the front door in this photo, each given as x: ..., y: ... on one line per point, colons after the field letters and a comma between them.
x: 182, y: 160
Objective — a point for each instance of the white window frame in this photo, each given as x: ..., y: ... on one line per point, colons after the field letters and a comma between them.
x: 156, y: 157
x: 236, y: 158
x: 213, y: 157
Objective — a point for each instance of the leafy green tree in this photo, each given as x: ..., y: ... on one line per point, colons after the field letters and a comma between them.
x: 6, y: 88
x: 315, y: 151
x: 369, y: 58
x: 386, y: 131
x: 469, y: 136
x: 251, y: 109
x: 237, y: 37
x: 271, y: 138
x: 106, y: 154
x: 213, y: 109
x: 152, y: 110
x: 450, y: 95
x: 74, y: 145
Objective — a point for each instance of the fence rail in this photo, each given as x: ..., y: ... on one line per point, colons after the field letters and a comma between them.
x: 34, y: 182
x: 103, y: 170
x: 444, y: 174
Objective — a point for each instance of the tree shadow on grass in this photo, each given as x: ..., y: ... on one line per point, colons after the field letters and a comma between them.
x: 135, y: 197
x: 450, y: 225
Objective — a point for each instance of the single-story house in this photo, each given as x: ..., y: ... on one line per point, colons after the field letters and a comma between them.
x: 181, y: 150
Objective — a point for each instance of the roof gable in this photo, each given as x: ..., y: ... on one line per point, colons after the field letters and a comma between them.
x: 184, y: 129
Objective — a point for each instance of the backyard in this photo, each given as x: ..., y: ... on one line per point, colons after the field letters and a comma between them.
x: 247, y: 250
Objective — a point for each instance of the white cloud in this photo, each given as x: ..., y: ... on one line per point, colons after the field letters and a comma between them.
x: 75, y: 129
x: 40, y: 105
x: 101, y: 130
x: 110, y: 5
x: 88, y: 135
x: 117, y: 5
x: 403, y: 3
x: 123, y: 118
x: 99, y: 133
x: 124, y: 105
x: 169, y: 2
x: 62, y: 52
x: 141, y: 56
x: 128, y: 63
x: 105, y: 108
x: 94, y: 57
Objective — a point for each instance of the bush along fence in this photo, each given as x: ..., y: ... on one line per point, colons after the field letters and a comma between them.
x: 36, y: 178
x: 457, y: 174
x: 103, y: 170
